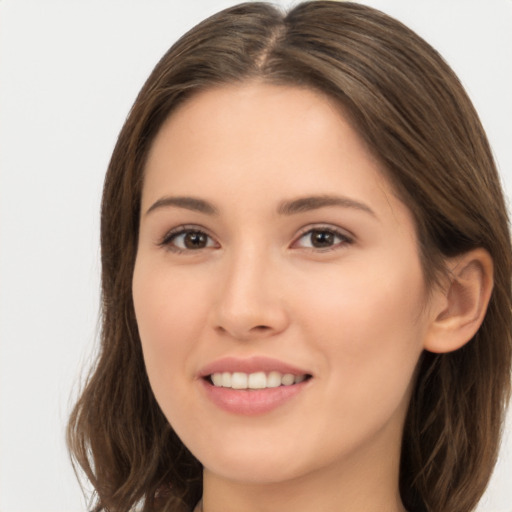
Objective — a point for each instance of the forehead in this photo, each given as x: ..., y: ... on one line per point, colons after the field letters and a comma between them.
x: 256, y: 130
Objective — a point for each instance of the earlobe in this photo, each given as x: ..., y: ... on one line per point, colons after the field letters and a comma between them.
x: 460, y: 307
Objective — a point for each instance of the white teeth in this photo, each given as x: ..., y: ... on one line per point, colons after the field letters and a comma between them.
x: 217, y: 379
x: 239, y: 380
x: 288, y: 379
x: 226, y: 379
x: 257, y: 380
x: 273, y: 380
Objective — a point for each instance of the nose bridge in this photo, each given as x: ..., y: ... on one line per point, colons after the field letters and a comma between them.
x: 249, y: 302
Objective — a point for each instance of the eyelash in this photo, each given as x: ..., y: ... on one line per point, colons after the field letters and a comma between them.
x: 345, y: 239
x: 170, y: 237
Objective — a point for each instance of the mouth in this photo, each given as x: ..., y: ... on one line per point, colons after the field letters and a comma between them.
x: 253, y: 386
x: 254, y: 381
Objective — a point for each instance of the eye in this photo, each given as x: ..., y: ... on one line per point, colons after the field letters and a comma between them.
x: 188, y: 239
x: 322, y: 238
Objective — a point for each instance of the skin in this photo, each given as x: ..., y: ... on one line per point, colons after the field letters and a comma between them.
x: 355, y: 315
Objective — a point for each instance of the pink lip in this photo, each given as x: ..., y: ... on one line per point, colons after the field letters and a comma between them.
x: 250, y: 365
x: 251, y: 402
x: 256, y: 401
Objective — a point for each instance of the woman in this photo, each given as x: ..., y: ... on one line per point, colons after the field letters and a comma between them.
x: 306, y: 277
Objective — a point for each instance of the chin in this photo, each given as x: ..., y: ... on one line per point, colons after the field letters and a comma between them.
x: 271, y: 460
x: 258, y: 470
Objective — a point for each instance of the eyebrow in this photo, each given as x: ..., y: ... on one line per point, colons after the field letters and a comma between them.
x: 305, y: 204
x: 189, y: 203
x: 291, y: 207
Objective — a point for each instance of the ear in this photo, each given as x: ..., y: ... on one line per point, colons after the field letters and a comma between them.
x: 458, y: 309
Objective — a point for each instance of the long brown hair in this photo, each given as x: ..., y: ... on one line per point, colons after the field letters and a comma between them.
x: 409, y: 106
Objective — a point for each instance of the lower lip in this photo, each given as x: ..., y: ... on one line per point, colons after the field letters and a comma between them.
x: 251, y: 402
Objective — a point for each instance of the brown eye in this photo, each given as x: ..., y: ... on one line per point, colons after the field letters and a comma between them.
x: 188, y: 240
x: 322, y: 238
x: 195, y: 240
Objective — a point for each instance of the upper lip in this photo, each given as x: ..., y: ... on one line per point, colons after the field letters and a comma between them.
x: 250, y: 365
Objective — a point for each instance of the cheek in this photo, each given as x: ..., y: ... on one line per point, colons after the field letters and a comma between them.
x: 170, y: 317
x: 367, y: 325
x: 361, y: 298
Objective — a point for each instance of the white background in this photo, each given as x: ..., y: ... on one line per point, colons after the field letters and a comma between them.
x: 69, y: 72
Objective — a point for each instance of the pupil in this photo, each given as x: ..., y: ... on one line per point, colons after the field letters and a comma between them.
x: 195, y: 240
x: 322, y: 238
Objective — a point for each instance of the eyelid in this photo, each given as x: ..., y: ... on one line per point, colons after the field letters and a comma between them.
x: 347, y: 237
x: 170, y: 235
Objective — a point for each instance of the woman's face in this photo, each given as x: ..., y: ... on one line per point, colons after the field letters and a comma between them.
x: 273, y: 254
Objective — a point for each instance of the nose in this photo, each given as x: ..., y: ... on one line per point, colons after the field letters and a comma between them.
x: 250, y: 303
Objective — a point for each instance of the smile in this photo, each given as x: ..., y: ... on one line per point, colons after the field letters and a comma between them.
x: 257, y: 380
x: 252, y: 386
